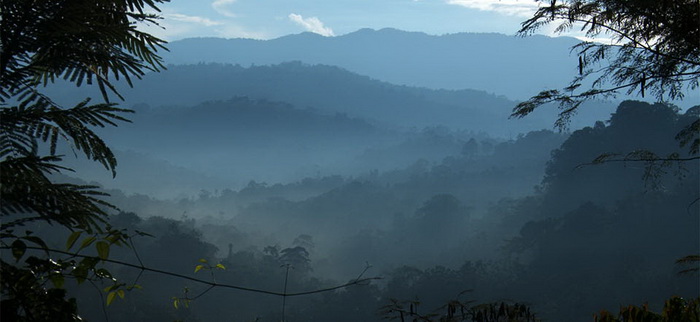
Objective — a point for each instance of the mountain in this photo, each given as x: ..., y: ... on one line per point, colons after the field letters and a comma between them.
x: 517, y: 67
x: 166, y: 179
x: 329, y: 90
x: 226, y: 144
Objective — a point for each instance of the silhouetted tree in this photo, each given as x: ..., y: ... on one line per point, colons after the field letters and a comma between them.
x: 79, y: 41
x: 653, y: 49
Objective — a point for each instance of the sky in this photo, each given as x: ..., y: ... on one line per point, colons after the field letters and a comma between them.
x: 268, y: 19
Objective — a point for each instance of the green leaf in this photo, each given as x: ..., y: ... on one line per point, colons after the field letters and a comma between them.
x: 72, y: 239
x: 80, y: 274
x: 198, y: 268
x: 18, y: 249
x: 89, y: 262
x: 221, y: 266
x: 113, y: 238
x: 103, y: 273
x: 176, y: 303
x: 121, y: 294
x: 110, y: 297
x: 87, y: 242
x: 202, y: 260
x: 57, y: 279
x: 102, y: 249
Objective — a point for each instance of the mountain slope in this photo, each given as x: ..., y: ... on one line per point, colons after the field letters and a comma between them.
x: 516, y: 67
x: 329, y: 90
x: 239, y: 140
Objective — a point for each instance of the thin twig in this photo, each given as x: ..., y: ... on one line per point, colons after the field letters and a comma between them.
x: 102, y: 300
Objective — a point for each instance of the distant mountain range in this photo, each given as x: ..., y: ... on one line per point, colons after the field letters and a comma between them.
x: 221, y: 144
x: 306, y: 106
x: 327, y: 90
x: 517, y: 67
x: 228, y: 143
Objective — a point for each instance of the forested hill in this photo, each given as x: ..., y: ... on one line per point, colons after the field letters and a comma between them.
x: 331, y: 90
x: 496, y: 63
x: 241, y: 139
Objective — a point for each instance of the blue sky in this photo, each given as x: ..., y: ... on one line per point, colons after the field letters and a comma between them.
x: 267, y: 19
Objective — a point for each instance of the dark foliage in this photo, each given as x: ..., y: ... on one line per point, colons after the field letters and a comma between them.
x: 653, y: 49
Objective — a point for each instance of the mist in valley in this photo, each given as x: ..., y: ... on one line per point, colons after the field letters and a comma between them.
x: 306, y: 168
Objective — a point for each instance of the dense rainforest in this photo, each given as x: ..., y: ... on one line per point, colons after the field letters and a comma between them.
x: 302, y: 179
x: 493, y: 221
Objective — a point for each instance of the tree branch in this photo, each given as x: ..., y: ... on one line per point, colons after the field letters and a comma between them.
x: 640, y: 160
x: 622, y: 34
x: 357, y: 281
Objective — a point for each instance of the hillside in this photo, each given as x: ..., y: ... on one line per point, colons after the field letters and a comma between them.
x: 495, y: 63
x: 241, y: 139
x: 332, y: 90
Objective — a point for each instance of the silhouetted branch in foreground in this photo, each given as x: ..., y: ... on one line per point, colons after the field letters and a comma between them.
x: 357, y: 281
x: 596, y: 162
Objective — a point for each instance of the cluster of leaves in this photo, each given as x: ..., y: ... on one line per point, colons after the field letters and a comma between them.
x: 185, y: 300
x: 24, y: 287
x: 653, y: 49
x: 77, y: 41
x: 457, y: 310
x: 675, y: 309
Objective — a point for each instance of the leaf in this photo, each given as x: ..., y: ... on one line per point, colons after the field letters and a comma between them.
x: 80, y: 274
x: 121, y: 294
x: 89, y: 262
x: 103, y: 273
x: 202, y: 260
x: 113, y: 239
x: 18, y: 249
x: 176, y: 303
x: 57, y: 279
x: 72, y: 239
x: 221, y: 266
x: 102, y: 249
x: 198, y: 268
x: 110, y: 297
x: 87, y: 242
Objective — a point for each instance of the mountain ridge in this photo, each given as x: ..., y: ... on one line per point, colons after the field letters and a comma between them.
x: 327, y: 89
x: 516, y: 67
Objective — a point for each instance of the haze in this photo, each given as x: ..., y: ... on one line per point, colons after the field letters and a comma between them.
x: 346, y: 146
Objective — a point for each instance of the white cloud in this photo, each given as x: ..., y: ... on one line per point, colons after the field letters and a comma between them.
x: 311, y: 24
x: 221, y: 6
x: 523, y: 8
x: 235, y: 31
x: 193, y: 19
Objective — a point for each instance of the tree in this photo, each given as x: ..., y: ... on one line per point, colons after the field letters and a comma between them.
x: 653, y: 48
x: 80, y: 41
